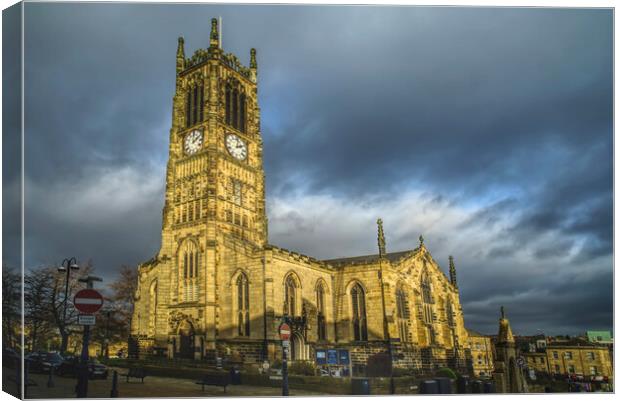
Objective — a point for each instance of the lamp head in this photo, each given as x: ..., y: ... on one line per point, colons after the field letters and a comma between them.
x: 74, y: 266
x: 62, y: 269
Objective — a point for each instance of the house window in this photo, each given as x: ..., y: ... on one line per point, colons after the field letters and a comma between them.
x: 402, y: 315
x: 358, y: 304
x: 243, y: 305
x: 568, y: 355
x: 557, y: 368
x: 571, y: 369
x: 555, y: 355
x: 590, y: 356
x: 320, y: 312
x: 593, y: 371
x: 542, y: 359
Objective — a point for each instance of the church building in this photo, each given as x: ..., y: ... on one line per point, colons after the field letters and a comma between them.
x: 218, y: 289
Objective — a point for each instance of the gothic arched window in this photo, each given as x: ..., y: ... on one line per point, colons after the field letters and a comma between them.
x: 427, y: 301
x: 402, y: 315
x: 194, y: 105
x: 449, y: 313
x: 236, y: 106
x: 189, y: 260
x: 152, y: 308
x: 243, y: 305
x: 290, y: 289
x: 320, y: 312
x: 358, y: 305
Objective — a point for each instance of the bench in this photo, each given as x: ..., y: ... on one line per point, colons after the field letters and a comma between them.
x: 221, y: 380
x: 135, y: 372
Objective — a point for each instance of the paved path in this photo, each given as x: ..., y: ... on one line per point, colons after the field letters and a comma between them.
x: 152, y: 387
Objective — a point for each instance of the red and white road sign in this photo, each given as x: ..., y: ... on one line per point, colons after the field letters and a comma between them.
x: 285, y: 332
x: 88, y: 300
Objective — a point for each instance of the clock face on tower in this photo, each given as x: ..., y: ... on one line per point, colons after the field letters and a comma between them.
x: 193, y: 142
x: 236, y: 147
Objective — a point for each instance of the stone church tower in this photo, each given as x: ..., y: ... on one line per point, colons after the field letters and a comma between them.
x: 218, y: 288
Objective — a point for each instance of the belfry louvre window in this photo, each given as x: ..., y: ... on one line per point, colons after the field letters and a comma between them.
x: 235, y: 107
x: 243, y: 306
x: 358, y: 304
x: 194, y: 105
x: 320, y: 309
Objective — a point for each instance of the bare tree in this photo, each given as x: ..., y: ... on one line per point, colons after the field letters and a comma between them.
x: 66, y: 324
x: 11, y: 307
x: 123, y: 292
x: 37, y: 306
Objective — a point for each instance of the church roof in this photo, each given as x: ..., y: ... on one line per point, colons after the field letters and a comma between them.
x: 392, y: 257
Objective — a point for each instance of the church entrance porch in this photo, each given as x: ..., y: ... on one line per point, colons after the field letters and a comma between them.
x: 186, y: 340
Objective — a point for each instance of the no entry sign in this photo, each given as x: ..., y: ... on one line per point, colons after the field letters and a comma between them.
x: 285, y: 332
x: 88, y: 301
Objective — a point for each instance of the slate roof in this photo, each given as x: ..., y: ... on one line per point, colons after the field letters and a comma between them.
x: 391, y: 256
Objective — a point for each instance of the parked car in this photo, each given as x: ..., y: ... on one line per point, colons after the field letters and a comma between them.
x: 71, y: 364
x: 10, y: 357
x: 42, y: 362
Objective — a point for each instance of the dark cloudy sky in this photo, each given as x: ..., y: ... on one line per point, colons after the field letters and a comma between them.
x: 489, y: 131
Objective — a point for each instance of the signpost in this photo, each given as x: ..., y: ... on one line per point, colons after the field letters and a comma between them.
x: 285, y: 335
x: 87, y: 301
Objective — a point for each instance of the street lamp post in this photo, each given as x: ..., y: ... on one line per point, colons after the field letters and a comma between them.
x: 65, y: 267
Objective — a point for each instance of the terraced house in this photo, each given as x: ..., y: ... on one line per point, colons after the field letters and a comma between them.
x: 218, y: 288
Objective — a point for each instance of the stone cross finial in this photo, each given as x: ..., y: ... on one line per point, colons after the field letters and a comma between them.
x: 380, y: 238
x: 421, y: 240
x: 214, y: 37
x: 501, y: 308
x: 253, y: 58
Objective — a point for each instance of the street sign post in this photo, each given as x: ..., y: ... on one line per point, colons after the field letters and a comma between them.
x: 86, y: 320
x: 88, y: 301
x: 285, y: 334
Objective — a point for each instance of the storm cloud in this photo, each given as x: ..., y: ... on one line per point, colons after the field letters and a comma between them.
x: 487, y: 130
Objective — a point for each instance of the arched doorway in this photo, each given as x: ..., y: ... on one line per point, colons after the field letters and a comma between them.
x: 186, y: 336
x: 298, y: 347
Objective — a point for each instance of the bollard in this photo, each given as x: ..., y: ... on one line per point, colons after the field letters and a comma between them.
x: 50, y: 377
x: 114, y: 392
x: 489, y: 387
x: 476, y: 387
x: 462, y: 383
x: 429, y: 387
x: 444, y: 384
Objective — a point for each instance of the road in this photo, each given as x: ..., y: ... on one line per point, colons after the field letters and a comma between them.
x: 64, y: 387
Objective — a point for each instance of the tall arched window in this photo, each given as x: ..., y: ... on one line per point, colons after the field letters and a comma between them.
x: 449, y: 313
x: 358, y: 305
x: 290, y: 289
x: 402, y: 315
x: 152, y: 308
x: 189, y: 260
x: 427, y: 301
x: 236, y: 106
x: 243, y: 305
x: 194, y: 105
x: 320, y: 312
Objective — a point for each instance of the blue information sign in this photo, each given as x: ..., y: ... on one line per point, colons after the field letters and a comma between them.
x: 321, y: 357
x: 343, y: 356
x: 332, y: 357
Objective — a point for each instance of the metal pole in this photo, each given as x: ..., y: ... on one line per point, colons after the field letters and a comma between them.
x: 114, y: 392
x: 284, y: 371
x: 82, y: 384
